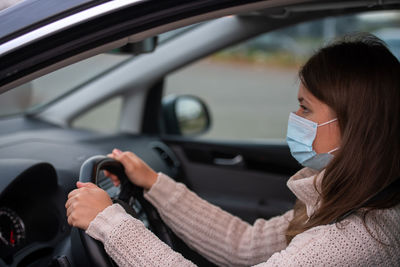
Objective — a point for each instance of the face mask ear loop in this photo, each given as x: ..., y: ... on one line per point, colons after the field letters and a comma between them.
x: 325, y: 123
x: 333, y: 150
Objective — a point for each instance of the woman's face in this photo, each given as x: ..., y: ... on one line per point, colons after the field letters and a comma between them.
x: 310, y: 108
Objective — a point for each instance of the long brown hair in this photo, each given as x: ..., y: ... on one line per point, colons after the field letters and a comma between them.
x: 359, y: 78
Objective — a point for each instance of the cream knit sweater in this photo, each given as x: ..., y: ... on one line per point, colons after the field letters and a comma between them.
x: 229, y: 241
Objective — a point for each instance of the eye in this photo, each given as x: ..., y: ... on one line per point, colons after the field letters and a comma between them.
x: 304, y: 109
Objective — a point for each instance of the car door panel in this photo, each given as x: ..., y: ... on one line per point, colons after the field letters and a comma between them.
x: 253, y: 188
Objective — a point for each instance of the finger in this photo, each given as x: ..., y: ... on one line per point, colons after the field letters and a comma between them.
x: 73, y: 193
x: 116, y: 182
x: 70, y: 210
x: 126, y: 162
x: 116, y: 152
x: 69, y: 221
x: 110, y: 155
x: 110, y: 175
x: 114, y: 179
x: 70, y: 206
x: 71, y: 200
x: 87, y: 185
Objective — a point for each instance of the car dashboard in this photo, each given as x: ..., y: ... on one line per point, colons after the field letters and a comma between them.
x: 32, y: 218
x: 40, y: 166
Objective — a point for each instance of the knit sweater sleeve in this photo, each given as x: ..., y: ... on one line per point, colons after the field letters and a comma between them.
x: 129, y: 243
x: 214, y: 233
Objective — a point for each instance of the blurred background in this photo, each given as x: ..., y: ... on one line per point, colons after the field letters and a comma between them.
x: 249, y: 88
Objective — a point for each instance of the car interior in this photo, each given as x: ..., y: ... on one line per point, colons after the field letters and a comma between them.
x: 145, y: 97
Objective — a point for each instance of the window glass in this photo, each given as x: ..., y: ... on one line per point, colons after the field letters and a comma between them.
x: 250, y: 88
x: 47, y: 88
x: 102, y: 118
x: 43, y: 90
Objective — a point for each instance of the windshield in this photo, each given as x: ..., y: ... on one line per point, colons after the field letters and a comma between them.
x: 41, y: 91
x: 51, y: 86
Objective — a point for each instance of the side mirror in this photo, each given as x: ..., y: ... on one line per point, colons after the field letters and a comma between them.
x: 184, y: 115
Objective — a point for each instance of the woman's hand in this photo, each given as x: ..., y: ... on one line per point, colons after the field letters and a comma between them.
x: 85, y: 203
x: 136, y: 170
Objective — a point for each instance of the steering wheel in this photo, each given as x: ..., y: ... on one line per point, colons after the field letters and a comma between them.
x: 94, y: 249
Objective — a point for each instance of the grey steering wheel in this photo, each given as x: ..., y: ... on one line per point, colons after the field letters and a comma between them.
x: 94, y: 250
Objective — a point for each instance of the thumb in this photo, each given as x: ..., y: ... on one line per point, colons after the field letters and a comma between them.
x: 88, y: 185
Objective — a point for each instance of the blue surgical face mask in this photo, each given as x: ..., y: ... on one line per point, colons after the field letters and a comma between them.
x: 300, y: 137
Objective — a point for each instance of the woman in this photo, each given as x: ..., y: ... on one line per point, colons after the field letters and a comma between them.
x: 346, y: 133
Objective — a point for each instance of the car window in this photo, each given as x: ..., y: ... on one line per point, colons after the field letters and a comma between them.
x: 102, y: 118
x: 45, y: 89
x: 251, y: 87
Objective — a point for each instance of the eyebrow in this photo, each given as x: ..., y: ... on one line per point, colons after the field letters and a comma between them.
x: 304, y: 101
x: 301, y: 99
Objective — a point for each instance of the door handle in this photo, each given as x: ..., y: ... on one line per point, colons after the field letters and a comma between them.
x: 236, y: 161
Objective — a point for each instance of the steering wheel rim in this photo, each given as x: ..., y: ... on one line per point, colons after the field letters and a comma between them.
x: 89, y: 172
